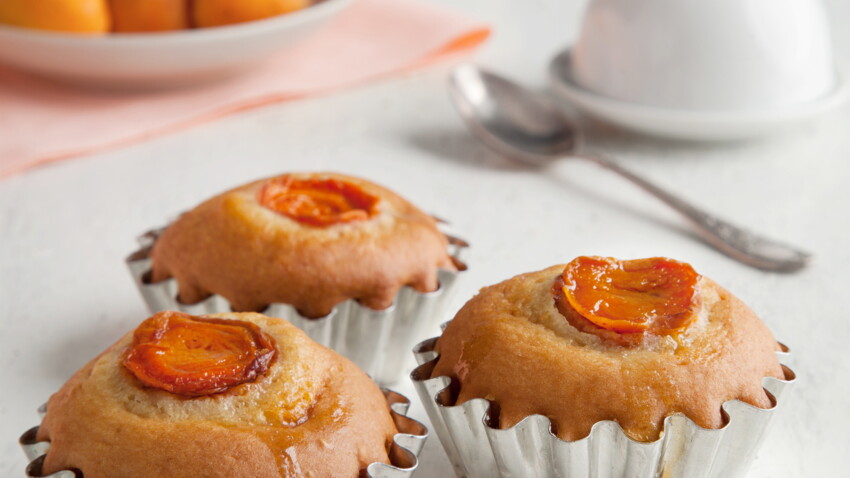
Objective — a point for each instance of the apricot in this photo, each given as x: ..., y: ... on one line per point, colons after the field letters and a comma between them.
x: 317, y: 202
x: 211, y: 13
x: 77, y: 16
x: 149, y: 15
x: 193, y: 356
x: 656, y: 295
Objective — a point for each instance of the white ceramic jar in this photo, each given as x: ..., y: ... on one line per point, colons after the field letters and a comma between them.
x: 706, y: 55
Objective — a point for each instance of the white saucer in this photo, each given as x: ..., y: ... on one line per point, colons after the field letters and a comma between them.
x: 688, y: 124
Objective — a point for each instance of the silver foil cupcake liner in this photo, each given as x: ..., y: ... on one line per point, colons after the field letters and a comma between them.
x: 478, y: 448
x: 378, y: 341
x: 403, y: 453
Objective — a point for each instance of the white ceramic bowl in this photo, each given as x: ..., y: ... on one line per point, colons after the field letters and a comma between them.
x: 152, y: 60
x: 706, y: 55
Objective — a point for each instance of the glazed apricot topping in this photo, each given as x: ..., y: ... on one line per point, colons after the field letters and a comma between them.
x: 193, y: 356
x: 655, y: 295
x: 318, y: 202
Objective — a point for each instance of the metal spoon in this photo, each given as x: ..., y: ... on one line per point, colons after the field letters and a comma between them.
x: 525, y: 127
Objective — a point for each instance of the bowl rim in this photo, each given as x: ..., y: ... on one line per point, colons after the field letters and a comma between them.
x: 193, y: 35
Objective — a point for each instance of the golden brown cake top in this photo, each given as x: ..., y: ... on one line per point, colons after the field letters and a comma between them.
x: 639, y: 345
x: 306, y: 411
x: 311, y: 240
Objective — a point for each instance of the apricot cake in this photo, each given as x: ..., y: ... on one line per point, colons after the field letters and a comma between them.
x: 603, y: 339
x: 230, y: 395
x: 310, y: 240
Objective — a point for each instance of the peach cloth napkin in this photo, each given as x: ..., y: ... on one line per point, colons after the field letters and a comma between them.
x: 41, y: 121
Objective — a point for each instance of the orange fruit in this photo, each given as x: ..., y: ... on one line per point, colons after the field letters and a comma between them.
x: 78, y: 16
x: 211, y: 13
x: 149, y: 15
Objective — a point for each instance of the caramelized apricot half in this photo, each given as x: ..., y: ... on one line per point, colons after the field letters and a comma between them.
x: 318, y: 202
x: 655, y: 295
x: 194, y: 356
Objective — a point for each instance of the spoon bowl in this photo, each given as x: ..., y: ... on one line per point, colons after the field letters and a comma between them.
x: 511, y: 121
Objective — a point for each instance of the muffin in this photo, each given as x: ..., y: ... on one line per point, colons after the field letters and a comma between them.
x: 618, y: 356
x: 231, y: 395
x: 366, y: 263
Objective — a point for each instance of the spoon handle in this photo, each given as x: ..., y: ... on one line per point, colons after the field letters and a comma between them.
x: 733, y: 241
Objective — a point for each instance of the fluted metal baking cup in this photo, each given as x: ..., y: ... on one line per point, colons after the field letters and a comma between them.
x: 403, y: 453
x: 378, y: 341
x: 478, y: 448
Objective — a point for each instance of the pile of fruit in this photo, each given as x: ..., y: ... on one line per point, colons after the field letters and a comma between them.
x: 105, y: 16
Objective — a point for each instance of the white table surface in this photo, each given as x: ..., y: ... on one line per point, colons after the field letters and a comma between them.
x: 64, y: 229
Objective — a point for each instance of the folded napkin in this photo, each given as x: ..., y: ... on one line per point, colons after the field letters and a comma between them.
x: 42, y: 121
